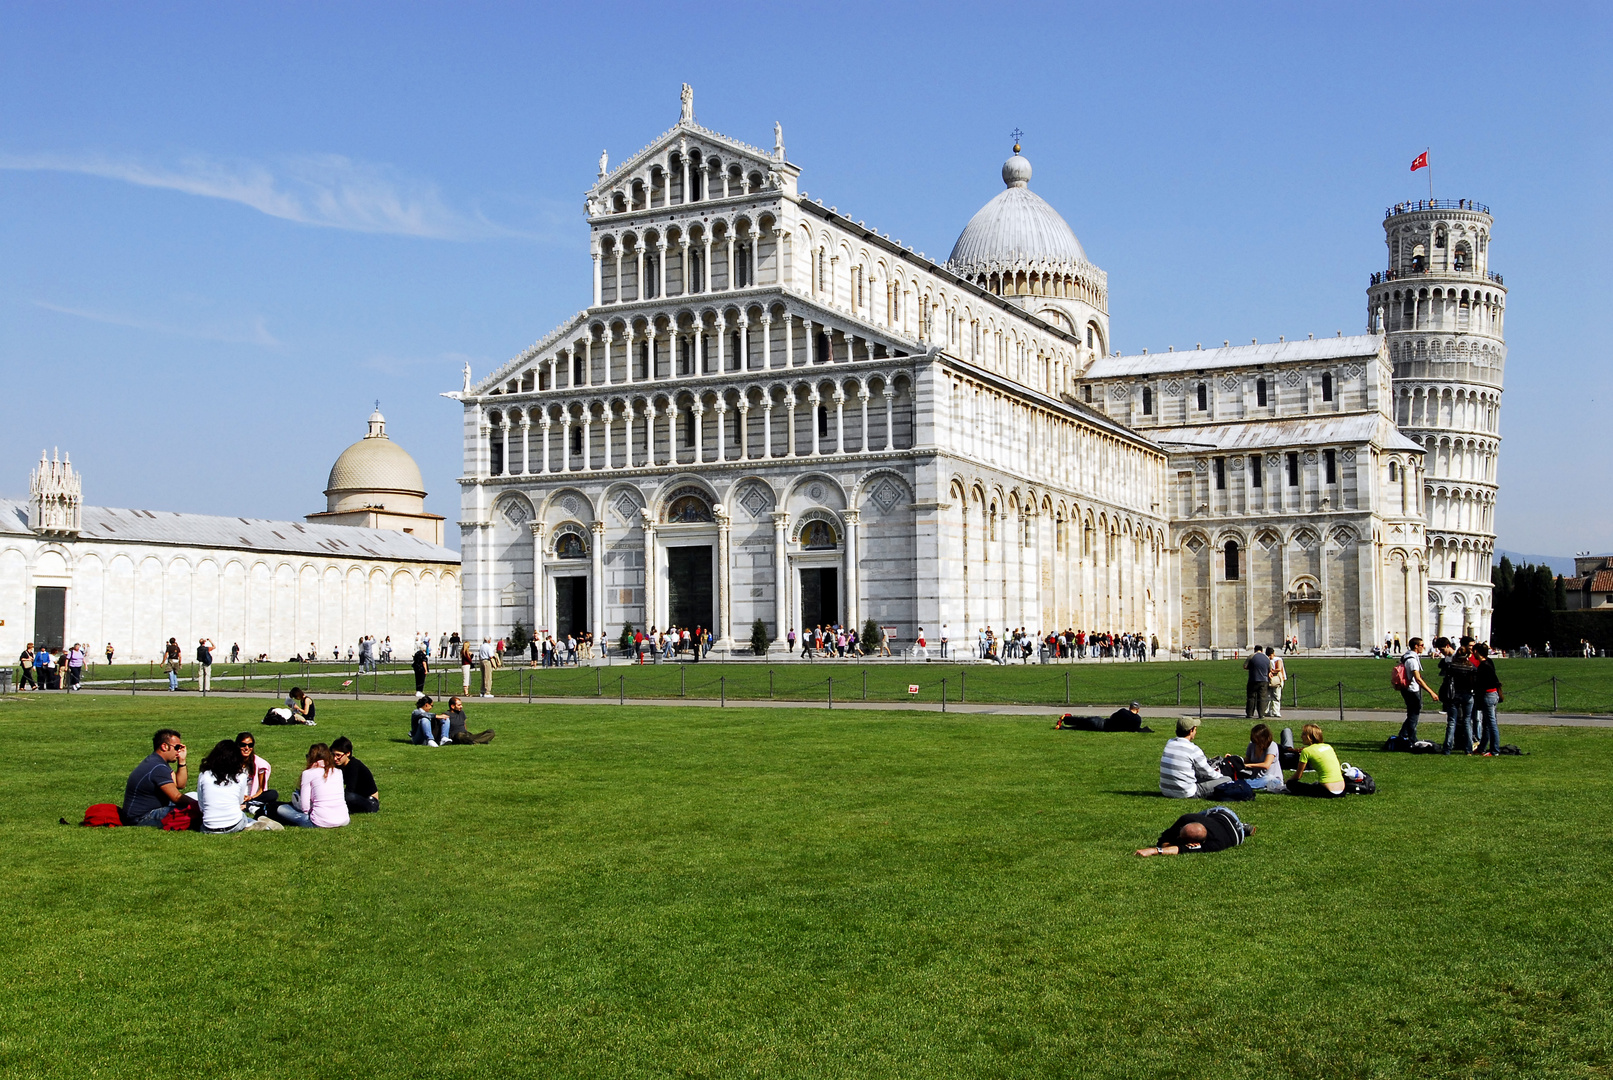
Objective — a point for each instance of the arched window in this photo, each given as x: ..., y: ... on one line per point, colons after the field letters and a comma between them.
x: 1394, y: 471
x: 1327, y: 386
x: 741, y: 267
x: 1232, y: 560
x: 576, y: 439
x: 1260, y: 392
x: 1086, y: 394
x: 577, y: 360
x: 570, y: 546
x: 817, y: 536
x: 823, y: 421
x: 1460, y: 260
x: 650, y: 277
x: 1204, y: 397
x: 1148, y: 402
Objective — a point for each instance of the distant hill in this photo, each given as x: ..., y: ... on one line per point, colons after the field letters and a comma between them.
x: 1560, y: 564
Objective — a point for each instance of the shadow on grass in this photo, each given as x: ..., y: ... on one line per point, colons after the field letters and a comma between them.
x: 1138, y: 794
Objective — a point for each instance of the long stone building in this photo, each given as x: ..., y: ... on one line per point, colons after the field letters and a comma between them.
x: 770, y: 410
x: 135, y: 578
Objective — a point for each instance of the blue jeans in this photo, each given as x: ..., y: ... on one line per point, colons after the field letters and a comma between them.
x: 422, y: 732
x: 1484, y: 721
x: 173, y: 678
x: 1458, y: 714
x: 153, y: 817
x: 1414, y: 711
x: 292, y: 813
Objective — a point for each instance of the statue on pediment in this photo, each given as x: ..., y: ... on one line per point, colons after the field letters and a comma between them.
x: 687, y: 116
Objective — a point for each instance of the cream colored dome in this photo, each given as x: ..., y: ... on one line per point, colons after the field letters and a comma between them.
x: 375, y: 471
x: 1016, y: 229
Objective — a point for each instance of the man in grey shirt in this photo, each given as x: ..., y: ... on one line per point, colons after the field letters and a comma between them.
x: 1259, y: 696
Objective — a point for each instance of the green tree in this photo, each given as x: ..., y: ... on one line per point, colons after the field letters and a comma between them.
x: 873, y: 636
x: 625, y: 642
x: 759, y: 639
x: 1559, y: 596
x: 519, y: 639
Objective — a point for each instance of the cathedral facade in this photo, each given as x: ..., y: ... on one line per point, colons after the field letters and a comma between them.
x: 771, y: 411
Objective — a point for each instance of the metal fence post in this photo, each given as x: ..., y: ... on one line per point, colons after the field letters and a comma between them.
x: 683, y: 681
x: 1201, y: 699
x: 1066, y: 688
x: 769, y: 684
x: 831, y: 692
x: 598, y: 686
x: 963, y: 690
x: 621, y: 689
x: 1341, y: 703
x: 1178, y: 689
x: 865, y: 684
x: 1554, y: 695
x: 722, y: 689
x: 943, y: 695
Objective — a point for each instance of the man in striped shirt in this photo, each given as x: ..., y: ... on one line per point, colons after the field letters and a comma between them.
x: 1184, y: 771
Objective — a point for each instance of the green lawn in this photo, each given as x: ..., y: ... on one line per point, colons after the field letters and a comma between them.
x: 1580, y: 686
x: 767, y: 893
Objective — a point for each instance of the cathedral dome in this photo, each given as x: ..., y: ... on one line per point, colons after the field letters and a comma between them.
x: 375, y: 466
x: 1016, y: 229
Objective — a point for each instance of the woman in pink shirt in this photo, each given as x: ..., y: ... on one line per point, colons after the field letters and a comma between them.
x: 318, y: 802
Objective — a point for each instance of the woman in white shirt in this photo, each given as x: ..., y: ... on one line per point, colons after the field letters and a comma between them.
x: 1261, y: 759
x: 222, y: 789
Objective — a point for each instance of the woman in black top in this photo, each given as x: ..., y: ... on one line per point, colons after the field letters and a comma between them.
x: 1486, y: 696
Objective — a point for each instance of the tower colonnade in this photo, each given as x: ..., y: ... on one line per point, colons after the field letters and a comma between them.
x: 1442, y: 310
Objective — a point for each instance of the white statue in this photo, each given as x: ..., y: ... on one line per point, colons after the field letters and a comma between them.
x: 688, y: 105
x: 778, y: 140
x: 604, y: 162
x: 467, y: 376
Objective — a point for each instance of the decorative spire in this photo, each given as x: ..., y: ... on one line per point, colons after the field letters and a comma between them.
x: 377, y: 423
x: 55, y: 497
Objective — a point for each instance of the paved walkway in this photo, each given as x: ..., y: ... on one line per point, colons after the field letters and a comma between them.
x: 1290, y: 718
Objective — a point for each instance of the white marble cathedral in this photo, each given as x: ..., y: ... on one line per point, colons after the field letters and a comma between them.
x: 773, y: 411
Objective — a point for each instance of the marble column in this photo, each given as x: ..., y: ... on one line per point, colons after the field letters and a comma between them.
x: 862, y: 397
x: 526, y: 444
x: 814, y: 401
x: 767, y: 426
x: 840, y: 420
x: 721, y: 409
x: 599, y: 288
x: 767, y: 340
x: 598, y: 596
x: 698, y: 408
x: 781, y: 570
x: 543, y: 456
x: 789, y: 340
x: 723, y: 631
x: 607, y: 420
x: 539, y: 605
x: 744, y: 429
x: 890, y: 434
x: 649, y: 434
x: 647, y: 523
x: 660, y: 268
x: 853, y: 587
x: 565, y: 440
x: 627, y: 435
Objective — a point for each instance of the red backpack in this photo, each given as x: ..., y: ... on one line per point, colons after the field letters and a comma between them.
x: 103, y: 814
x: 1398, y: 679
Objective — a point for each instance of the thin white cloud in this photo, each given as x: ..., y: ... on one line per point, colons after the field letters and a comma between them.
x: 257, y: 333
x: 396, y: 366
x: 325, y: 190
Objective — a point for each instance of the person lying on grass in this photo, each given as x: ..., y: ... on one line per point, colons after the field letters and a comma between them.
x: 1215, y: 829
x: 358, y: 783
x: 457, y: 732
x: 1330, y: 774
x: 158, y: 782
x: 318, y: 802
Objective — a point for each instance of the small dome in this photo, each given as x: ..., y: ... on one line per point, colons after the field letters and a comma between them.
x: 1017, y: 228
x: 375, y: 464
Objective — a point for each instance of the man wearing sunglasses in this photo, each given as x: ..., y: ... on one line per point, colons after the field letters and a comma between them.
x: 157, y: 782
x: 358, y: 782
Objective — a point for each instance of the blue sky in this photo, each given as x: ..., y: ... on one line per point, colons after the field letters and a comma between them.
x: 226, y: 228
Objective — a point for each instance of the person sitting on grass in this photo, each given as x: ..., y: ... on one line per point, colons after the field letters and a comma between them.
x: 1184, y: 771
x: 318, y: 802
x: 154, y: 787
x: 221, y: 789
x: 1330, y: 775
x: 1216, y: 829
x: 301, y: 706
x: 424, y: 727
x: 1261, y: 765
x: 358, y: 783
x: 457, y: 732
x: 257, y: 769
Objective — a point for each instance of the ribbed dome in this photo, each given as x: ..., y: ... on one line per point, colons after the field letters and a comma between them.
x: 374, y: 464
x: 1017, y: 228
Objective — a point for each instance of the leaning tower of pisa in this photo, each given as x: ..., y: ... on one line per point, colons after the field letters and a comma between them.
x: 1443, y: 311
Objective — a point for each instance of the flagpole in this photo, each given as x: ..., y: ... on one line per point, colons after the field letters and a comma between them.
x: 1430, y: 169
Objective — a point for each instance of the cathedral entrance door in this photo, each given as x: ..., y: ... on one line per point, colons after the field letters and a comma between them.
x: 1307, y: 629
x: 820, y: 597
x: 50, y: 616
x: 689, y: 586
x: 570, y: 606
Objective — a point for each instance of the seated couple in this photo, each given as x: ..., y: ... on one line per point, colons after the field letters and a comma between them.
x: 443, y: 728
x: 298, y: 709
x: 1185, y: 773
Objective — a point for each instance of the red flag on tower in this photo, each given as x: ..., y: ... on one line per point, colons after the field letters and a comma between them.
x: 1421, y: 162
